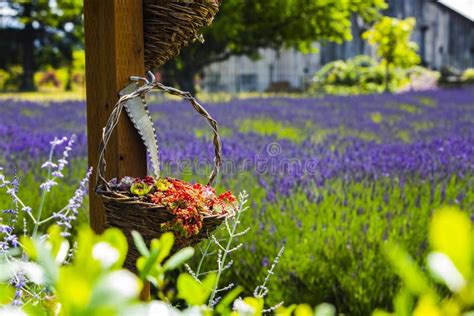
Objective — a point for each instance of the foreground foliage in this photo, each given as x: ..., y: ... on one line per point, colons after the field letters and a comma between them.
x: 449, y: 264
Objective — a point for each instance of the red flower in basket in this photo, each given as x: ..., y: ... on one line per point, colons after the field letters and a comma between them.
x: 190, y: 203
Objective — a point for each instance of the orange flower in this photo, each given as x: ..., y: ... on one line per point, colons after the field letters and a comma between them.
x: 189, y: 202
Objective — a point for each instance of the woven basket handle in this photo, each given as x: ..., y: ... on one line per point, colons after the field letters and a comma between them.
x: 141, y: 92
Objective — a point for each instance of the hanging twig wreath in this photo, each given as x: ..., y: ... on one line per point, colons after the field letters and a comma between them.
x: 170, y: 25
x: 153, y: 205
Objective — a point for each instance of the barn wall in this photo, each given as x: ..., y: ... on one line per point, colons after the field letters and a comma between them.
x: 445, y: 39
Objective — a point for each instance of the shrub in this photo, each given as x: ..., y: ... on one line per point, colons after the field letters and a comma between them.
x: 468, y: 75
x: 3, y: 78
x: 51, y: 79
x: 358, y: 75
x: 10, y: 79
x: 57, y: 79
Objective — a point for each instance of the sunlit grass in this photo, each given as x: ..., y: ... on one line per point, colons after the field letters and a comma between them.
x: 427, y: 101
x: 45, y: 96
x: 207, y: 134
x: 206, y: 97
x: 410, y: 108
x: 269, y: 127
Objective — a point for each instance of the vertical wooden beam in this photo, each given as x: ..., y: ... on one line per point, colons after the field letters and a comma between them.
x: 114, y: 52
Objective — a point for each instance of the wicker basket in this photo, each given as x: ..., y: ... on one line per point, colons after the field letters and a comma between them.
x: 170, y: 25
x: 130, y: 213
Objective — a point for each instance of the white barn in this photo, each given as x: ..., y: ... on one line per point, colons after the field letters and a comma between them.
x: 444, y: 33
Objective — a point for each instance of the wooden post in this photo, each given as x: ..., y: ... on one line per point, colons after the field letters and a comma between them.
x: 114, y: 52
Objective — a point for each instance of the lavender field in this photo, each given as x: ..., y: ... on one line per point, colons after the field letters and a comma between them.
x: 330, y: 178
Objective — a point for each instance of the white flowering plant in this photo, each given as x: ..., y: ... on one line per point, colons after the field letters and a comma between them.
x: 13, y: 252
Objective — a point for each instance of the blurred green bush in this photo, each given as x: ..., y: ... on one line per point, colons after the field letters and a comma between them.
x: 359, y: 75
x: 468, y: 75
x: 444, y: 287
x: 364, y: 75
x: 10, y: 80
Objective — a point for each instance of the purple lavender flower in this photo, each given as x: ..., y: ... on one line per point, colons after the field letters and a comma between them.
x: 10, y: 212
x: 46, y: 186
x: 126, y: 183
x: 64, y: 219
x: 19, y: 281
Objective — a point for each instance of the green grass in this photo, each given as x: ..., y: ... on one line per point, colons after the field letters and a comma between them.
x: 269, y: 127
x: 427, y: 101
x: 45, y: 96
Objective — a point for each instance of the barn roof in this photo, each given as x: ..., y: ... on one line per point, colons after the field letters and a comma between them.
x: 463, y: 7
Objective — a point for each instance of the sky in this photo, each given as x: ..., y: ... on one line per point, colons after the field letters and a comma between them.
x: 465, y: 7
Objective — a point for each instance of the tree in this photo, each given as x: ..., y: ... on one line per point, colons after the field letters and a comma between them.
x: 48, y: 33
x: 391, y: 36
x: 242, y: 27
x: 70, y: 33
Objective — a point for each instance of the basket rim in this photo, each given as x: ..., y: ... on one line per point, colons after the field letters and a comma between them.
x: 120, y: 197
x: 151, y: 2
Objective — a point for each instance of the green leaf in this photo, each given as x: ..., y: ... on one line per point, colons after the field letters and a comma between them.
x: 55, y: 239
x: 406, y: 268
x: 85, y: 242
x: 325, y: 309
x: 379, y: 312
x: 450, y: 233
x: 166, y: 244
x: 193, y: 292
x: 73, y: 290
x: 29, y: 247
x: 179, y: 258
x: 225, y: 304
x: 36, y: 310
x: 403, y: 303
x: 115, y: 290
x: 427, y: 305
x: 117, y: 240
x: 41, y: 252
x: 140, y: 244
x: 7, y: 293
x: 145, y: 266
x: 285, y: 311
x: 257, y: 304
x: 208, y: 283
x: 159, y: 250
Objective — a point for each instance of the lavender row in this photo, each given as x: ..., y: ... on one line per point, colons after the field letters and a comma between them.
x: 429, y: 134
